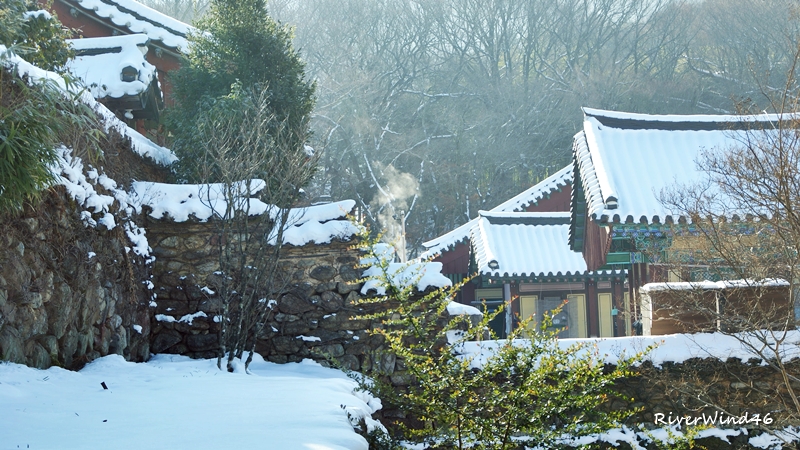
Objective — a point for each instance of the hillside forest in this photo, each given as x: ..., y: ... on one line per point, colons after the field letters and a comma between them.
x: 434, y: 109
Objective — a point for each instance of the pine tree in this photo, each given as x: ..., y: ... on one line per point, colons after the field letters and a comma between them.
x: 238, y: 46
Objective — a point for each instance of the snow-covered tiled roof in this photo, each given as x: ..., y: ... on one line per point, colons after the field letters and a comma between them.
x: 99, y: 63
x: 532, y: 195
x: 625, y: 160
x: 447, y: 240
x: 139, y: 18
x: 139, y: 144
x: 525, y: 244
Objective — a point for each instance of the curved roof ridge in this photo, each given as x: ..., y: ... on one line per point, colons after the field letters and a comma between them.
x: 524, y: 214
x: 536, y: 192
x: 591, y: 185
x: 618, y: 119
x: 554, y: 182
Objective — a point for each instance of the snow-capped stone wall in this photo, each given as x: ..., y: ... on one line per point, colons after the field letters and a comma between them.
x: 312, y: 317
x: 315, y: 316
x: 69, y: 293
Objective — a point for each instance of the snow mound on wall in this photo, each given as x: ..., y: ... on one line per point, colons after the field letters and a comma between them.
x: 724, y: 284
x: 317, y: 224
x: 201, y: 201
x: 675, y: 348
x: 83, y: 186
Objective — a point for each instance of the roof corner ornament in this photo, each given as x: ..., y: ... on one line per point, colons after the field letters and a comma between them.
x: 129, y: 73
x: 611, y: 203
x: 493, y: 264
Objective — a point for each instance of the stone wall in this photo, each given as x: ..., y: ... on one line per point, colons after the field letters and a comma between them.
x: 690, y: 387
x: 68, y: 293
x: 313, y: 318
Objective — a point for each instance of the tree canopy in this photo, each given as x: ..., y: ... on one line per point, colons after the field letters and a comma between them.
x: 238, y: 46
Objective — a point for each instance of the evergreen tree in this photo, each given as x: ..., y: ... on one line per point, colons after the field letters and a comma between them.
x: 36, y: 37
x: 238, y: 46
x: 34, y: 118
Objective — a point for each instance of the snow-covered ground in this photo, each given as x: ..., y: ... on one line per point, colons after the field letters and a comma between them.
x: 173, y: 402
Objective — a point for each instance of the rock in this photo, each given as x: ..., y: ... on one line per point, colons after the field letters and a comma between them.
x: 348, y: 362
x: 326, y: 335
x: 356, y: 349
x: 349, y: 273
x: 37, y: 356
x: 385, y: 363
x: 328, y: 351
x: 298, y: 327
x: 322, y: 287
x: 211, y: 305
x: 195, y: 242
x: 286, y: 344
x: 11, y: 345
x: 31, y: 321
x: 762, y: 386
x: 281, y: 317
x: 115, y: 321
x: 175, y: 308
x: 31, y: 224
x: 401, y: 379
x: 323, y: 273
x: 344, y: 288
x: 347, y: 259
x: 293, y: 304
x: 331, y: 301
x: 165, y: 340
x: 333, y: 321
x: 169, y: 242
x: 366, y: 363
x: 202, y: 342
x: 352, y: 298
x: 50, y: 344
x: 278, y: 359
x: 356, y: 324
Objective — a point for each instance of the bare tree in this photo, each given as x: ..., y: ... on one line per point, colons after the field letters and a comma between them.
x: 745, y: 232
x: 478, y: 100
x: 248, y: 151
